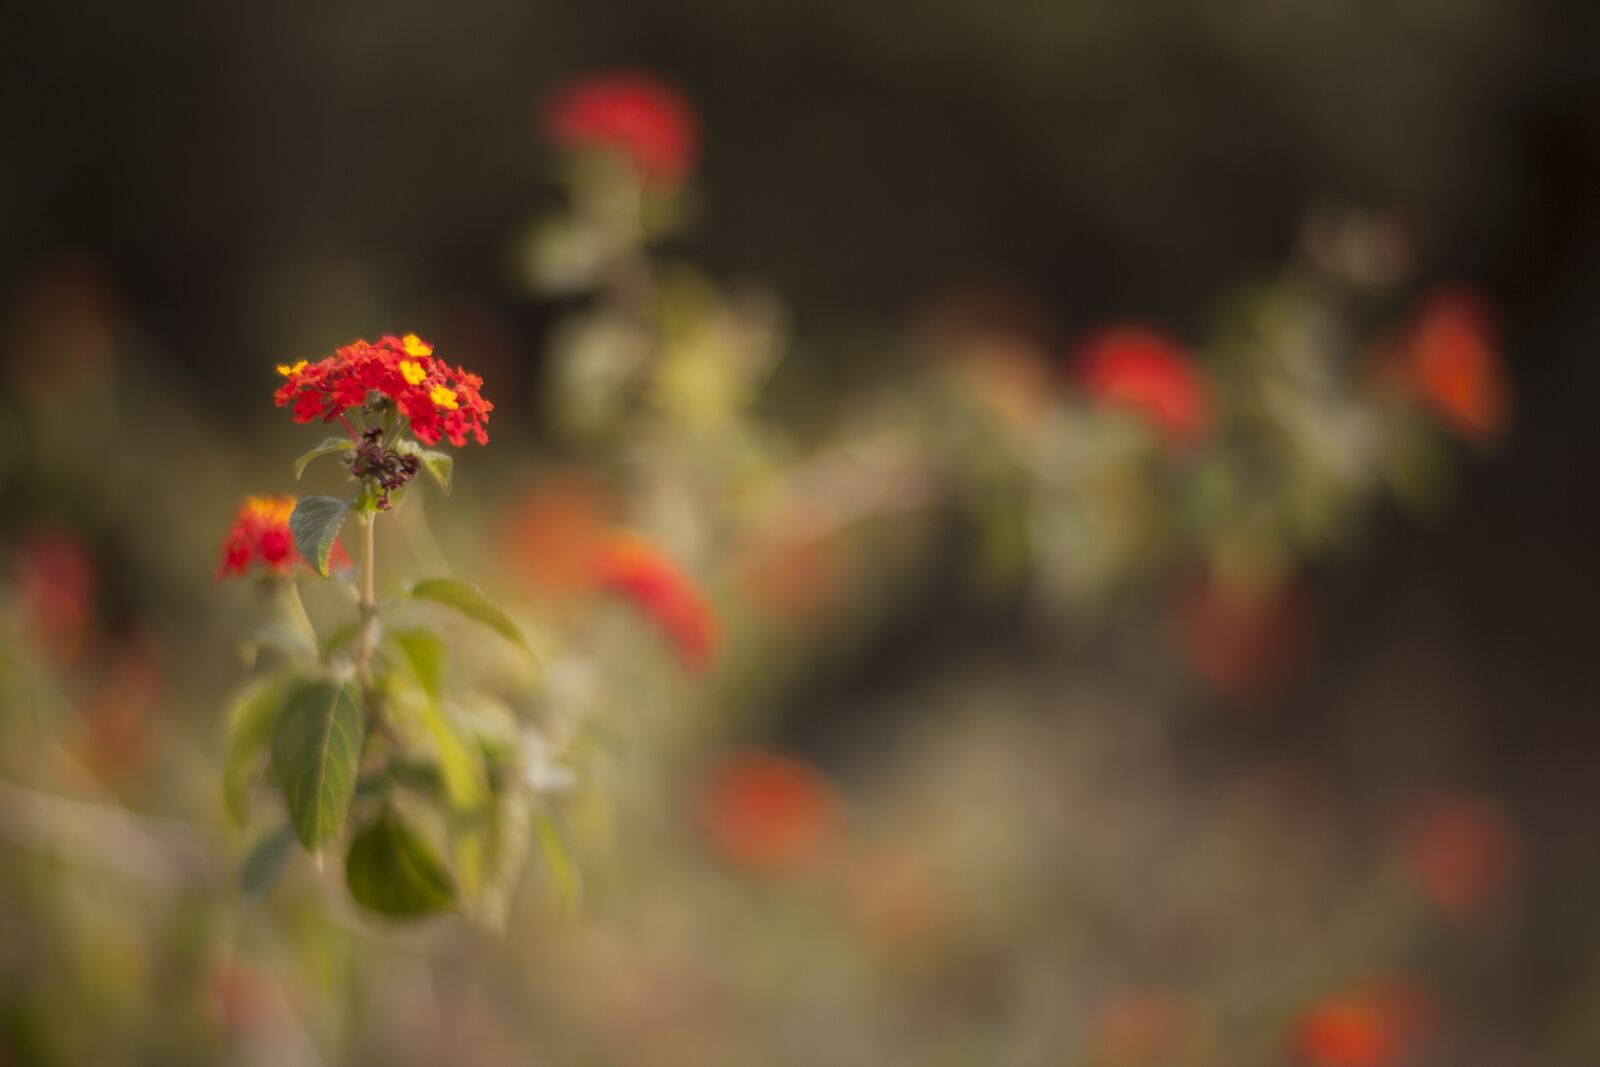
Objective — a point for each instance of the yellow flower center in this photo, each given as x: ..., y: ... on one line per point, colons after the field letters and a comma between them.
x: 445, y: 398
x: 271, y: 509
x: 289, y: 372
x: 412, y: 372
x: 416, y: 346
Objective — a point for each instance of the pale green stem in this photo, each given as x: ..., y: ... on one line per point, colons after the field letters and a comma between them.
x: 369, y: 595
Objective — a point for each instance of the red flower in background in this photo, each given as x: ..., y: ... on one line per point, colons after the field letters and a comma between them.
x: 1462, y: 852
x: 548, y: 536
x: 1138, y: 1027
x: 1149, y: 373
x: 260, y: 537
x: 631, y: 566
x: 1451, y: 360
x: 634, y: 113
x: 55, y: 577
x: 767, y: 812
x: 120, y: 716
x: 440, y: 400
x: 1377, y: 1025
x: 1245, y: 642
x: 797, y: 578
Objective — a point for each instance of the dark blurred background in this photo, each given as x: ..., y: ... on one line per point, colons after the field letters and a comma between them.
x: 251, y: 176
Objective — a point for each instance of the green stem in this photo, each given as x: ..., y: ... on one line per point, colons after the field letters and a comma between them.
x: 368, y: 608
x: 369, y: 570
x: 369, y: 599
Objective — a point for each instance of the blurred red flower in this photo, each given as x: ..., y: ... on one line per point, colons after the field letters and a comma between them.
x: 627, y: 564
x: 548, y: 536
x: 55, y: 577
x: 438, y: 399
x: 260, y: 537
x: 1146, y: 1028
x: 1145, y: 371
x: 1452, y: 362
x: 634, y: 113
x: 64, y: 327
x: 1461, y: 851
x: 1245, y: 641
x: 797, y: 578
x: 767, y: 812
x: 238, y: 995
x: 119, y: 715
x: 1376, y: 1025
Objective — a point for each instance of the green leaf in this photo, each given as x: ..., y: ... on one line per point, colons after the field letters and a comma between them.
x: 465, y: 778
x: 470, y: 601
x: 315, y: 524
x: 440, y: 465
x: 264, y: 865
x: 249, y: 727
x: 326, y: 448
x: 425, y: 652
x: 316, y: 746
x: 501, y: 846
x: 393, y: 871
x: 558, y: 857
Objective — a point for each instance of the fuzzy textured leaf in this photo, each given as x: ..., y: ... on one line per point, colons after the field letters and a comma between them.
x: 249, y: 728
x: 326, y: 448
x: 470, y: 601
x: 315, y: 524
x: 394, y: 871
x: 316, y: 746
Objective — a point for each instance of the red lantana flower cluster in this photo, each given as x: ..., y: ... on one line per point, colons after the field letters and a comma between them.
x: 438, y: 399
x: 631, y: 112
x: 1379, y: 1025
x: 1452, y: 362
x: 767, y: 812
x: 636, y: 569
x: 1150, y: 374
x: 260, y: 537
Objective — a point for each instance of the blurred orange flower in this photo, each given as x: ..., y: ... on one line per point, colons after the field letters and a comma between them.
x: 1245, y: 641
x: 63, y: 329
x: 767, y: 812
x: 1461, y: 851
x: 238, y: 995
x: 260, y: 537
x: 1376, y: 1025
x: 797, y: 578
x: 1145, y: 371
x: 55, y: 577
x: 627, y: 564
x: 1147, y: 1028
x: 900, y: 905
x: 119, y: 714
x: 634, y: 113
x: 1452, y: 362
x: 548, y: 536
